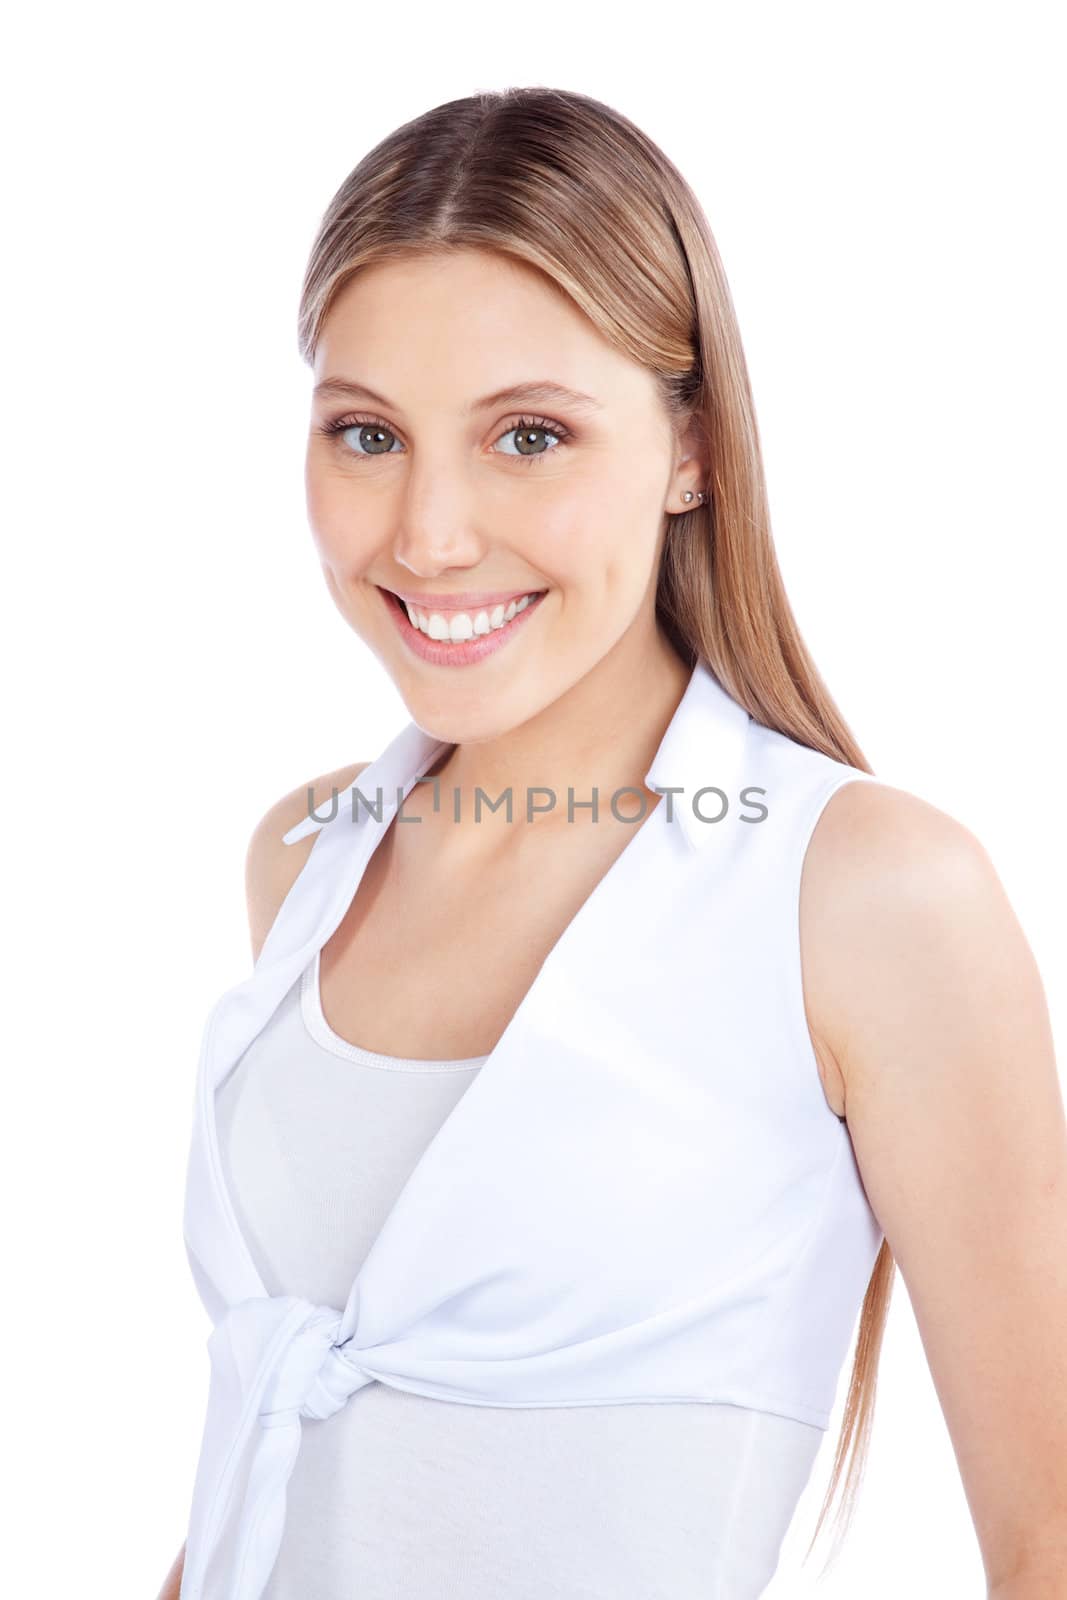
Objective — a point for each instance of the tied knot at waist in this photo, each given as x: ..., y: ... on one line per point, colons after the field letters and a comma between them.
x: 313, y: 1377
x: 275, y: 1361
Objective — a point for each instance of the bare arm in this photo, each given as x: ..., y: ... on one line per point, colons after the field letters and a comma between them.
x: 271, y: 867
x: 172, y: 1583
x: 928, y: 997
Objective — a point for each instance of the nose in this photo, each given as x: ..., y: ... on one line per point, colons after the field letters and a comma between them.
x: 437, y: 531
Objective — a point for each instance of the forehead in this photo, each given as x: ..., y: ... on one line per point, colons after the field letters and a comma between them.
x: 456, y: 324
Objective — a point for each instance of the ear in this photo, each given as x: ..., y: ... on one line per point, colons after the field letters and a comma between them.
x: 691, y: 449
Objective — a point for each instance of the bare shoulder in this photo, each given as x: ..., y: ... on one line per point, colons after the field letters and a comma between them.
x: 890, y: 885
x: 271, y: 867
x: 923, y: 986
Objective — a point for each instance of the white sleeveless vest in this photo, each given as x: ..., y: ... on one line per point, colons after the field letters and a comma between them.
x: 643, y: 1196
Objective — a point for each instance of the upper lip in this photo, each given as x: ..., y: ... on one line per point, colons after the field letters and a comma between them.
x: 466, y: 601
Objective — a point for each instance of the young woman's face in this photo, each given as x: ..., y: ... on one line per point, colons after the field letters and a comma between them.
x: 418, y: 485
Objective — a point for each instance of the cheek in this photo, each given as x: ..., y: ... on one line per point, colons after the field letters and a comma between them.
x: 345, y: 541
x: 603, y: 540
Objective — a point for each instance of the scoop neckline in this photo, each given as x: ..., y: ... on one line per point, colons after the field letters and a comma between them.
x: 315, y: 1022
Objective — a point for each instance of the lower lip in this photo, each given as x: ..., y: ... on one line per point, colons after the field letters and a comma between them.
x: 467, y: 651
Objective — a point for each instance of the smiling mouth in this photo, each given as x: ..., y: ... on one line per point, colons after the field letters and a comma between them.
x: 456, y: 626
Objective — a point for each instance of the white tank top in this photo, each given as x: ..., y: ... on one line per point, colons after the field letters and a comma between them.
x: 398, y: 1494
x: 641, y: 1201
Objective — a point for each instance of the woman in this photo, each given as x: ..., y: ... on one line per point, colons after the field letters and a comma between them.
x: 529, y: 1109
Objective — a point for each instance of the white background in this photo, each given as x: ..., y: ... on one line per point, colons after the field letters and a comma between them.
x: 883, y: 183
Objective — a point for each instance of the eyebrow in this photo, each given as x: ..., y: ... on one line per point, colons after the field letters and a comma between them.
x: 538, y: 391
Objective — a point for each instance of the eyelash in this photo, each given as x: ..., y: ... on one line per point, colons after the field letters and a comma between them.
x: 541, y: 424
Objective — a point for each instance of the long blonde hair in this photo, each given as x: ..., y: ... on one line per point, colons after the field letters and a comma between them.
x: 570, y: 186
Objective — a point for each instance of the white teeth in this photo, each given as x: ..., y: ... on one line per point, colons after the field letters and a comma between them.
x: 463, y: 625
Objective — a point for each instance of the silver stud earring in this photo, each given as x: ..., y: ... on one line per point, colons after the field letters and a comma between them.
x: 688, y: 495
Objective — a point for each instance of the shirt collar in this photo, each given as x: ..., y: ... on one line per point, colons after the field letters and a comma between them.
x: 701, y: 749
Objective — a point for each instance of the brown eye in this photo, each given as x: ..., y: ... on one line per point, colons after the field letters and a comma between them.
x: 371, y: 439
x: 361, y: 436
x: 534, y: 439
